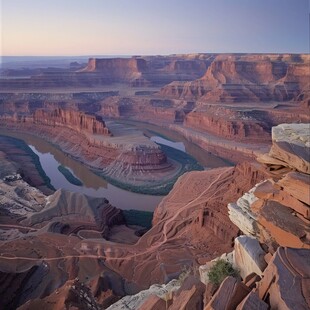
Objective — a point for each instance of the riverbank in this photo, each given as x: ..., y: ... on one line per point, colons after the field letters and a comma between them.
x: 25, y: 162
x: 93, y: 185
x: 203, y: 157
x: 155, y: 180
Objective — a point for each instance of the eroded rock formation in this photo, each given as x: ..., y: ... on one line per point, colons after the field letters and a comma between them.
x: 237, y: 78
x: 126, y: 157
x: 78, y: 121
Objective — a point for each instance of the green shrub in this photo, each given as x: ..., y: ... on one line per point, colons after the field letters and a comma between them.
x: 220, y: 270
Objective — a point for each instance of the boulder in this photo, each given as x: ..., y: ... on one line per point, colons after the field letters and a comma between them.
x: 189, y: 296
x: 249, y: 256
x: 291, y: 144
x: 229, y: 295
x: 285, y: 283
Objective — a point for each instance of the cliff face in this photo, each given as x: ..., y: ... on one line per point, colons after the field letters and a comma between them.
x: 229, y: 123
x: 191, y: 222
x: 276, y: 211
x: 127, y: 158
x: 273, y: 255
x: 117, y: 69
x: 232, y: 78
x: 75, y: 120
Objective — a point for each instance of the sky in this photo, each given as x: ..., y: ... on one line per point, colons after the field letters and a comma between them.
x: 151, y: 27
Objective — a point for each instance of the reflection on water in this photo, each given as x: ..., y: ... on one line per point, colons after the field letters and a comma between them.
x: 117, y: 197
x: 176, y: 145
x: 93, y: 185
x: 88, y: 178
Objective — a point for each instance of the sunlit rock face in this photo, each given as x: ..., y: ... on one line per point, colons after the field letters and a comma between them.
x: 276, y: 211
x: 291, y: 144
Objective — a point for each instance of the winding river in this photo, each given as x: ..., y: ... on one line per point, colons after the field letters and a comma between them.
x: 51, y: 158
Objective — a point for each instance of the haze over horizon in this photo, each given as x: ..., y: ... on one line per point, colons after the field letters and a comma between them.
x: 122, y: 27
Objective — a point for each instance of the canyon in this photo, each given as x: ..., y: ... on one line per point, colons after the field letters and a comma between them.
x: 192, y: 215
x: 121, y: 155
x: 248, y: 117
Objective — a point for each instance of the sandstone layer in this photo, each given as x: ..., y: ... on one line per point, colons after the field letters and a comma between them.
x: 125, y: 156
x: 277, y: 210
x: 246, y: 78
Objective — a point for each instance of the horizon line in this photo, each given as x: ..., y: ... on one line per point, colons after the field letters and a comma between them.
x: 156, y: 54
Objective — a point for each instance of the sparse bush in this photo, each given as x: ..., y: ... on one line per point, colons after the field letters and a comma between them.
x: 220, y: 270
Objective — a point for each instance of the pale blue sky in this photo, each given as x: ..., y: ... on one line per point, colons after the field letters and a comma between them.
x: 127, y: 27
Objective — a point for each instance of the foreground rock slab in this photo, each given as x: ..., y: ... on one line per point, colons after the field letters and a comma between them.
x: 252, y: 302
x: 249, y: 256
x: 229, y: 295
x: 291, y: 144
x: 286, y: 280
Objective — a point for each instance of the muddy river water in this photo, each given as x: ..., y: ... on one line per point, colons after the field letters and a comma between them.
x: 51, y: 158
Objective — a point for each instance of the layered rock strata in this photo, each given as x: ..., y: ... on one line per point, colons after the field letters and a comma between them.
x: 245, y: 78
x: 274, y: 257
x: 75, y: 120
x: 123, y: 157
x: 135, y: 72
x: 277, y: 210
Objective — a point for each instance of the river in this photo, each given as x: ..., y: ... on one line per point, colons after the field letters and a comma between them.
x: 51, y: 158
x: 93, y: 185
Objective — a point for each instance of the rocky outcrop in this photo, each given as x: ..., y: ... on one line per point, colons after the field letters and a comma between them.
x: 136, y: 301
x: 249, y: 256
x: 277, y: 210
x: 78, y: 211
x: 291, y: 144
x: 229, y: 295
x: 274, y: 215
x: 285, y: 283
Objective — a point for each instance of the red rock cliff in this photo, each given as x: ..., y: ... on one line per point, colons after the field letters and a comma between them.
x: 75, y: 120
x: 232, y: 78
